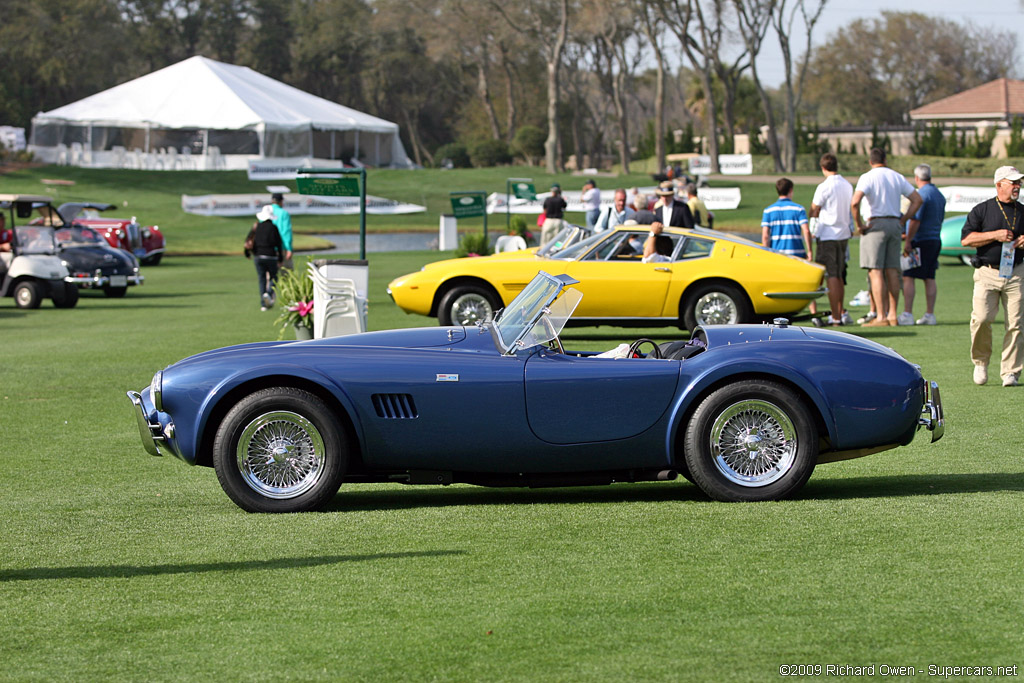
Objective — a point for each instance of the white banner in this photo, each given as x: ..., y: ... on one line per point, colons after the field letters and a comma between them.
x: 296, y: 204
x: 728, y: 164
x: 963, y: 198
x: 715, y: 198
x: 283, y: 168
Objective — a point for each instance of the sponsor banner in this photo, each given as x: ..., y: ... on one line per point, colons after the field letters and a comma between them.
x: 468, y: 206
x: 715, y: 198
x: 963, y: 198
x: 728, y: 164
x: 296, y: 204
x: 284, y: 168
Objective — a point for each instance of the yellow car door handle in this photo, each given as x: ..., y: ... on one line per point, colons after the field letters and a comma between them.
x: 664, y: 270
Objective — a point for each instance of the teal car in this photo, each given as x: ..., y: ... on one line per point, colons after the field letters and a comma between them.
x: 951, y: 230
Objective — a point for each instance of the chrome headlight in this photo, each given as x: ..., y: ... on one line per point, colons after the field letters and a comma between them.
x: 156, y: 388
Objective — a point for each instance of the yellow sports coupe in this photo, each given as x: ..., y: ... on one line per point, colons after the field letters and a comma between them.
x: 711, y: 278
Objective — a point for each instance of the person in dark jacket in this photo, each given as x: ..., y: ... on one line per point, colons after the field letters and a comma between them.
x: 267, y: 252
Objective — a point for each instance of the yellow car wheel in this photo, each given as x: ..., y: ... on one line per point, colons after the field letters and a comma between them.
x: 467, y: 305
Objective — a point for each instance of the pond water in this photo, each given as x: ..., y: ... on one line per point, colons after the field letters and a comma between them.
x: 381, y: 241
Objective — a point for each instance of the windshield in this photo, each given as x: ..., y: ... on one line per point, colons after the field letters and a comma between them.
x: 572, y: 253
x: 566, y: 237
x: 78, y: 237
x: 553, y: 319
x: 33, y: 239
x: 517, y: 320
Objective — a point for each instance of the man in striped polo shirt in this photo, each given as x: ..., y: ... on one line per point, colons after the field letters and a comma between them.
x: 784, y: 224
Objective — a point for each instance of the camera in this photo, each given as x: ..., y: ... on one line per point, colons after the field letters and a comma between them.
x: 975, y: 261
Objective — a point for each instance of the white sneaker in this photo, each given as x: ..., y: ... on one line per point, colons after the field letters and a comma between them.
x: 868, y: 318
x: 862, y: 298
x: 980, y: 374
x: 846, y: 319
x: 905, y: 318
x: 1010, y: 380
x: 267, y: 300
x: 927, y: 319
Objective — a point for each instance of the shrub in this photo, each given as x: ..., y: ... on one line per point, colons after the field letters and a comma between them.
x: 455, y: 153
x: 472, y: 244
x: 529, y: 143
x: 488, y: 153
x: 519, y: 226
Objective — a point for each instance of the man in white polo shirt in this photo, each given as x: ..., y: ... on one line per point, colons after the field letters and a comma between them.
x: 882, y: 236
x: 831, y: 206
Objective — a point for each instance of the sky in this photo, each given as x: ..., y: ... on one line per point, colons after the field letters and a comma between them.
x: 1004, y: 15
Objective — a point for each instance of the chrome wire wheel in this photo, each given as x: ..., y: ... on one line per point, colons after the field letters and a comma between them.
x: 716, y: 308
x: 280, y: 455
x: 753, y: 443
x: 470, y: 308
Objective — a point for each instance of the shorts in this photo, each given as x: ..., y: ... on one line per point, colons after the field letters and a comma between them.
x: 882, y: 245
x: 832, y: 255
x: 929, y: 260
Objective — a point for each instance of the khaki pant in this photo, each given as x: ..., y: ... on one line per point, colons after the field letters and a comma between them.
x: 550, y: 229
x: 989, y: 291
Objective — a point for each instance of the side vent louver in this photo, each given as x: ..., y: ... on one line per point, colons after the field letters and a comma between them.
x: 394, y: 406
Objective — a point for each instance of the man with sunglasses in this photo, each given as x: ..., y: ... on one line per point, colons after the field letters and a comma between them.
x: 999, y: 276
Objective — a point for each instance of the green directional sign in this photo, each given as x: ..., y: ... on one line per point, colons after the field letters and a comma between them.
x: 524, y: 191
x: 468, y: 206
x: 334, y: 187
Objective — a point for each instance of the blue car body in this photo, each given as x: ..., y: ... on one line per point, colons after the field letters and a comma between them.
x: 450, y: 404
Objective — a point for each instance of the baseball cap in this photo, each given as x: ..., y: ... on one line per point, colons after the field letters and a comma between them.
x: 1008, y: 173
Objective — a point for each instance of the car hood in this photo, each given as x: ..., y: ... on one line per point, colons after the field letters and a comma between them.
x: 90, y: 258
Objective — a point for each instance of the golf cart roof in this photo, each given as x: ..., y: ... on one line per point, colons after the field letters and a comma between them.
x: 34, y: 198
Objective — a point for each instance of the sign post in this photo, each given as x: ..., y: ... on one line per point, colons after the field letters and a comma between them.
x: 320, y: 181
x: 470, y: 204
x: 523, y: 189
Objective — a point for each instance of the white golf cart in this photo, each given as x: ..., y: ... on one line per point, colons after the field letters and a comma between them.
x: 31, y: 270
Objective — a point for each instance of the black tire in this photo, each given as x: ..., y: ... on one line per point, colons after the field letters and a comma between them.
x: 750, y: 441
x: 153, y: 260
x: 467, y: 304
x: 115, y: 292
x: 66, y: 296
x: 716, y: 303
x: 250, y: 459
x: 27, y: 294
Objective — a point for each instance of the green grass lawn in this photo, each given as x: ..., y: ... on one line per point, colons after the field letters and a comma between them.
x: 115, y: 565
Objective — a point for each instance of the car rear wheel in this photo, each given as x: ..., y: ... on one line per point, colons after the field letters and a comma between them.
x: 280, y: 450
x: 66, y: 297
x: 751, y: 440
x: 115, y: 292
x: 467, y: 305
x: 716, y: 304
x: 153, y: 260
x: 28, y: 294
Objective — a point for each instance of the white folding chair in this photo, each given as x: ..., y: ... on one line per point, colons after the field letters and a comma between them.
x: 509, y: 243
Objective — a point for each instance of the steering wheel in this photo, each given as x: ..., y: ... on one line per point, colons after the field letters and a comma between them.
x: 634, y: 348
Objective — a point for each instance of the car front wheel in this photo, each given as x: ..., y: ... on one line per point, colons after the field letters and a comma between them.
x: 115, y: 292
x: 280, y: 450
x: 751, y: 440
x: 66, y: 296
x: 716, y: 304
x: 466, y: 305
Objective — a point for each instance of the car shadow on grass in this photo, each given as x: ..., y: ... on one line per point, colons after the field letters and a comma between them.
x: 351, y: 498
x: 126, y: 571
x: 901, y: 486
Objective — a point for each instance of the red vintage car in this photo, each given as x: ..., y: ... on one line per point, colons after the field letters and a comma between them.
x: 146, y: 242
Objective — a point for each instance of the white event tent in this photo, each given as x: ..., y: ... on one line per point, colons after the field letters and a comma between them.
x: 204, y: 114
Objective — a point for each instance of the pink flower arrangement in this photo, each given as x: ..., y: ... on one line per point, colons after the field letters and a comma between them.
x: 303, y: 308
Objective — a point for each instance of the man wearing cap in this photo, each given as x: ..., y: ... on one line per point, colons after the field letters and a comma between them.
x: 882, y: 235
x: 283, y: 221
x: 989, y: 226
x: 671, y: 211
x: 267, y: 252
x: 554, y: 210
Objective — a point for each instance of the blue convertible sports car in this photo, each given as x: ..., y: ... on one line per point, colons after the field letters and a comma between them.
x: 743, y: 411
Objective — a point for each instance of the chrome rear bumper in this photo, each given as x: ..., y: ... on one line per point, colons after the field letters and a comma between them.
x: 932, y: 417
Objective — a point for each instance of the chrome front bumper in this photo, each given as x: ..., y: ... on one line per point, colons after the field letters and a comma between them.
x: 151, y: 433
x: 815, y: 294
x: 932, y: 417
x: 104, y: 280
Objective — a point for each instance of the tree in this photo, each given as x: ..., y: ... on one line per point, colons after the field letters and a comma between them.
x: 648, y: 13
x: 754, y: 20
x: 877, y: 70
x: 783, y: 21
x: 546, y: 22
